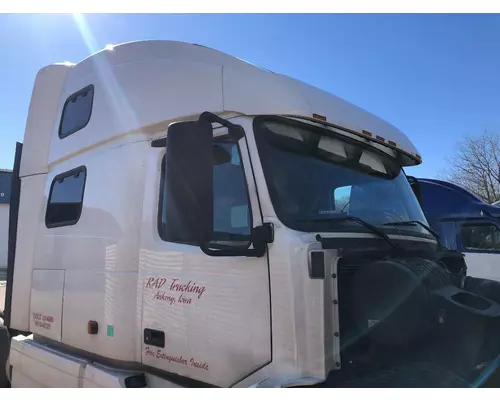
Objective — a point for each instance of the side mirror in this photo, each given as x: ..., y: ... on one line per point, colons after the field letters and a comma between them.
x: 190, y: 158
x: 189, y: 180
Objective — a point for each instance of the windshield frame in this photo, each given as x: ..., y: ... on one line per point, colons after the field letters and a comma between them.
x: 347, y: 226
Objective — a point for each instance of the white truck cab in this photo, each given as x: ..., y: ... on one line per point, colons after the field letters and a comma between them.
x: 185, y: 218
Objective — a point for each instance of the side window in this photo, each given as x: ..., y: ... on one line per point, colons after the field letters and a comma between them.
x: 232, y: 216
x: 65, y: 202
x: 76, y: 111
x: 480, y: 237
x: 231, y: 205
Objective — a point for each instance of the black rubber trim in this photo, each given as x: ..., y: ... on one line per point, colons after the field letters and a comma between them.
x: 15, y: 194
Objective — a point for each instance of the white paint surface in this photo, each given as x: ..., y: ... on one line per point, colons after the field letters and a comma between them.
x: 4, y: 234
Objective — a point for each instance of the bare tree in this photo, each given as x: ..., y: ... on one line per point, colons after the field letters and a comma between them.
x: 476, y: 165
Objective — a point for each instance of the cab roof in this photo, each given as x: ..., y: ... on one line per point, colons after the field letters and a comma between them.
x: 141, y: 87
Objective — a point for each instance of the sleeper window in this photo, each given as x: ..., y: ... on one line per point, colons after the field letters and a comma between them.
x: 76, y: 111
x: 64, y: 206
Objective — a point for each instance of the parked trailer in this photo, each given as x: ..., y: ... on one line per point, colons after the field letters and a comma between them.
x: 182, y: 218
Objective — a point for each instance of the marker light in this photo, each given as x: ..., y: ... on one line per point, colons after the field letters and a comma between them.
x: 320, y: 117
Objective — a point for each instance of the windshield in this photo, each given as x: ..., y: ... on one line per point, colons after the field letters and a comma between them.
x: 314, y: 174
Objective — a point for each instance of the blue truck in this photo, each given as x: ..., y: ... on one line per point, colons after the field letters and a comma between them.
x: 464, y: 222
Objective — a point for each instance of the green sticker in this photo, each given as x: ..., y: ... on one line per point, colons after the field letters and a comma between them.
x: 110, y: 331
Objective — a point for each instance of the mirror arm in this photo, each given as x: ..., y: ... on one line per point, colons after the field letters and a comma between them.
x: 234, y: 130
x: 220, y: 253
x: 161, y: 142
x: 263, y: 234
x: 261, y: 237
x: 259, y: 251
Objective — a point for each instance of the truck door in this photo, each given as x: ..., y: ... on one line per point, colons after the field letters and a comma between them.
x: 480, y: 242
x: 202, y: 317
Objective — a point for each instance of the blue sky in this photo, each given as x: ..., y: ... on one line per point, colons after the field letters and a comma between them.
x: 436, y: 77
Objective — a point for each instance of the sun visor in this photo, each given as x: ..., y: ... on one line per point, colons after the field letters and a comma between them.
x: 335, y: 148
x: 372, y: 161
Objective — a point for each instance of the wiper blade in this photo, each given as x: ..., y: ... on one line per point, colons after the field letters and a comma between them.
x: 360, y: 221
x: 415, y: 222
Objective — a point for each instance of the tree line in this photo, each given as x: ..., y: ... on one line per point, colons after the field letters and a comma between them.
x: 476, y: 165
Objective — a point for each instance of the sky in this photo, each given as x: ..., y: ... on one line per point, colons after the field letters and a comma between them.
x: 435, y: 77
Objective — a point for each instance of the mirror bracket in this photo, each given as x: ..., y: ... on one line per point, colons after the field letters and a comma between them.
x: 261, y: 236
x: 161, y: 142
x: 235, y: 131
